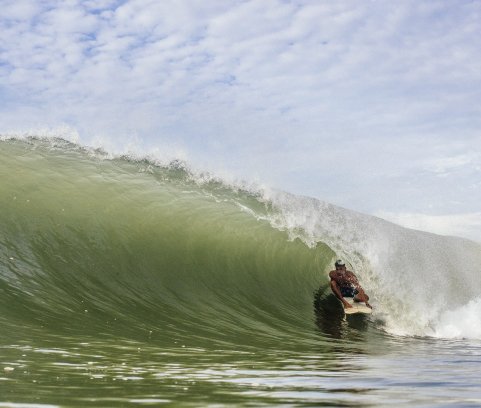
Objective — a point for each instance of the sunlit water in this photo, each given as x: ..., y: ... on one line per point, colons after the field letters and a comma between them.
x: 362, y: 368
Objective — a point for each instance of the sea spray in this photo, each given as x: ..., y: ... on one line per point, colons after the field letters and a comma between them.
x: 415, y: 278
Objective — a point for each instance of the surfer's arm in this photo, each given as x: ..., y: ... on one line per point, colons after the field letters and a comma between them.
x: 337, y: 292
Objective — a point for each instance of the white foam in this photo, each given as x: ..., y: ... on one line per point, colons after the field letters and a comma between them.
x: 63, y: 131
x: 463, y: 322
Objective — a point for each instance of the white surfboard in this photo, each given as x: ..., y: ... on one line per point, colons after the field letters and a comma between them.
x: 357, y: 307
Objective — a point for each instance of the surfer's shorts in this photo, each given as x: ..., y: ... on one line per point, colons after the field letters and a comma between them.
x: 349, y: 292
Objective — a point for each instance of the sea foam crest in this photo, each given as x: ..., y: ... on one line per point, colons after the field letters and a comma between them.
x: 463, y: 322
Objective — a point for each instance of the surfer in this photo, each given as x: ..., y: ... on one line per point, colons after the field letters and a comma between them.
x: 345, y: 284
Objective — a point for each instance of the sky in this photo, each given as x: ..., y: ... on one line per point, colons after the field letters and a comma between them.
x: 370, y: 105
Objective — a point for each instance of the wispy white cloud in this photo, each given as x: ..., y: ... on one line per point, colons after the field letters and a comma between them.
x: 445, y: 165
x: 463, y: 225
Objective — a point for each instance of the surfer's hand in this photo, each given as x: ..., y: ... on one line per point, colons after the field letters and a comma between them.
x: 347, y: 305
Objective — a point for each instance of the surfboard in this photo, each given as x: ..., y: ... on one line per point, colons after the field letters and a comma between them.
x: 357, y: 307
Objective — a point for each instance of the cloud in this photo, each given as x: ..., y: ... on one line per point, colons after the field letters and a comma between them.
x: 445, y: 165
x: 463, y: 225
x: 251, y: 54
x: 19, y: 10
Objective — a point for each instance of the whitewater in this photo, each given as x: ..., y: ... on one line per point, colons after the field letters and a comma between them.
x: 126, y: 281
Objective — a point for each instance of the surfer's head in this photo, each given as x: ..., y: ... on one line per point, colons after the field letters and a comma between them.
x: 339, y: 264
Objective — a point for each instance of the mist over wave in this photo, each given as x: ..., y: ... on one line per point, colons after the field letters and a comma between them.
x: 88, y: 237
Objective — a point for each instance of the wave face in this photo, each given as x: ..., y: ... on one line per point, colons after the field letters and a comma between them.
x: 98, y: 244
x: 114, y: 245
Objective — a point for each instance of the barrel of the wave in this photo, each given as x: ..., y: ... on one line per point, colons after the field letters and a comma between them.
x: 133, y: 249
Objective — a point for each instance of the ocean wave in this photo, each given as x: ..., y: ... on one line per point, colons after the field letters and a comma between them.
x: 94, y: 241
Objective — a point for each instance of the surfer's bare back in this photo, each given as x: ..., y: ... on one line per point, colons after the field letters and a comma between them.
x: 345, y: 284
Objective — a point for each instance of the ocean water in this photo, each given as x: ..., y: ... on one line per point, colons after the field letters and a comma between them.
x: 126, y: 282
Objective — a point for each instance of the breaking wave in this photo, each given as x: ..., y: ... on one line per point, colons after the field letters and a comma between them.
x: 102, y: 244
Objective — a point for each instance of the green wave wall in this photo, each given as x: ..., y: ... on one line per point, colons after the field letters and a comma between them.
x: 118, y: 246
